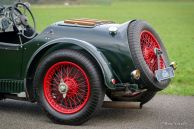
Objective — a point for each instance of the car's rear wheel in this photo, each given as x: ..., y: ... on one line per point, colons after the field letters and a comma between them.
x: 69, y: 86
x: 143, y: 44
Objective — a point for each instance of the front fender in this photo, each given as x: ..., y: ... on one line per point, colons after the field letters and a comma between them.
x: 97, y: 55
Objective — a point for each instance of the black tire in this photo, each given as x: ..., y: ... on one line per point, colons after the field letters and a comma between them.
x: 95, y: 80
x: 148, y: 79
x: 143, y: 98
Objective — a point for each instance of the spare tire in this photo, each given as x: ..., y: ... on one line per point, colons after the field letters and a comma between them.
x: 143, y: 41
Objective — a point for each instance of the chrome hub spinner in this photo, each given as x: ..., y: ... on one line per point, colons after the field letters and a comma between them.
x: 63, y: 88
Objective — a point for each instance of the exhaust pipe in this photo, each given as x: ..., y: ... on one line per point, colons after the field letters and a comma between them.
x: 122, y: 105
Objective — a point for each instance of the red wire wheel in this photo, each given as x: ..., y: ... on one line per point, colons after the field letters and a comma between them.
x: 148, y: 46
x: 69, y: 86
x: 66, y: 87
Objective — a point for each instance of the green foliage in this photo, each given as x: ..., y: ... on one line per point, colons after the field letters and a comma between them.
x: 174, y: 21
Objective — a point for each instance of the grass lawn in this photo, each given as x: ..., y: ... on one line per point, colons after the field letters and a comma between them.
x: 174, y: 21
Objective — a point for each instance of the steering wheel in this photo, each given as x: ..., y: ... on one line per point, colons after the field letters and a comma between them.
x: 21, y: 20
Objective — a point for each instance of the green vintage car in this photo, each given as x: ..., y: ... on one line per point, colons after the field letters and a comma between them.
x: 72, y: 64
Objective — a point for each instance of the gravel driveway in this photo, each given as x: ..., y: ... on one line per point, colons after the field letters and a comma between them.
x: 163, y: 112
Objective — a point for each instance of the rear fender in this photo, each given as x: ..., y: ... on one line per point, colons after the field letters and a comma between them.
x: 91, y: 49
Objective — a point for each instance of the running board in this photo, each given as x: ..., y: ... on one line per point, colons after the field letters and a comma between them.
x: 14, y: 97
x: 122, y: 105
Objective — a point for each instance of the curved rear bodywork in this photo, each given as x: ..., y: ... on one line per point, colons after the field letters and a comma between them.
x: 109, y: 47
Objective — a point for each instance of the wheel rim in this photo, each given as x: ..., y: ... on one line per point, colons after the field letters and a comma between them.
x: 66, y: 87
x: 148, y: 45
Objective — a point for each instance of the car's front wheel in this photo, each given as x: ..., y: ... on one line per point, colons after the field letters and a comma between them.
x: 69, y: 86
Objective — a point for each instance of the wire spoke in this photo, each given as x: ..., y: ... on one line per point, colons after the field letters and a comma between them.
x: 148, y: 46
x: 78, y: 87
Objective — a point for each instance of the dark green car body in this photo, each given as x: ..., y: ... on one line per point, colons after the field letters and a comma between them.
x: 109, y: 49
